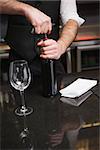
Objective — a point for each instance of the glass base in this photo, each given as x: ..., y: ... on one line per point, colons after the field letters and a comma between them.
x: 23, y: 111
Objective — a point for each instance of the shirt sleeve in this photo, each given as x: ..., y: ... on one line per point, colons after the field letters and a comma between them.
x: 68, y: 10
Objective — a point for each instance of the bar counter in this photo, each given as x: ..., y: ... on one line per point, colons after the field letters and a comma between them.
x: 53, y: 125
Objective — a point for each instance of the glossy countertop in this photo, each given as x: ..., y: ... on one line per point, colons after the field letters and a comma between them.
x: 53, y: 124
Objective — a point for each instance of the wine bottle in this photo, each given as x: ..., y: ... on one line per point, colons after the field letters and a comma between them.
x: 49, y: 81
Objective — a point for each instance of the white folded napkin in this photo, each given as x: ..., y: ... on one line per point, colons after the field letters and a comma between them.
x: 78, y: 87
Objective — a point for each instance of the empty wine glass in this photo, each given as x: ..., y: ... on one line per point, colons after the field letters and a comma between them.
x: 20, y: 77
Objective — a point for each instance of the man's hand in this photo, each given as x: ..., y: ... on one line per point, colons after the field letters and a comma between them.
x: 40, y: 21
x: 56, y: 138
x: 51, y: 49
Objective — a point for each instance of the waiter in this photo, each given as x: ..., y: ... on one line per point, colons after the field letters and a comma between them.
x: 41, y: 17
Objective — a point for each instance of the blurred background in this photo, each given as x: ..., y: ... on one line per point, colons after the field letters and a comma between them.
x: 84, y: 53
x: 89, y: 10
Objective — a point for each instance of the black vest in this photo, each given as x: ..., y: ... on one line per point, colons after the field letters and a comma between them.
x: 19, y: 35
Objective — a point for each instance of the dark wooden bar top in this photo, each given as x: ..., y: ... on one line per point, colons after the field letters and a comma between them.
x: 53, y: 124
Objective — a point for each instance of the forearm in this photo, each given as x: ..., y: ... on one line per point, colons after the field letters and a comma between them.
x: 12, y: 7
x: 68, y: 34
x: 40, y: 21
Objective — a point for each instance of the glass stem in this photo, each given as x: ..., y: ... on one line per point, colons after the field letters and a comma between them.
x: 22, y: 98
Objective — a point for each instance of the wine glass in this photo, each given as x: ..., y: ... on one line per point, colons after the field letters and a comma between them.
x: 20, y: 77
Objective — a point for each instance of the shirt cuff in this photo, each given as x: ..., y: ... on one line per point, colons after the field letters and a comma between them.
x: 78, y: 19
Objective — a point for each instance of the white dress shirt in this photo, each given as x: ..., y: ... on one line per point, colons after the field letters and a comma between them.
x: 68, y: 10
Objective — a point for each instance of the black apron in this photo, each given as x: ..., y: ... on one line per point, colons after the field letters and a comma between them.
x: 23, y: 42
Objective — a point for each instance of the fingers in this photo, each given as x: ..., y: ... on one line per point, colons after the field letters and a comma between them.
x: 40, y: 21
x: 43, y: 24
x: 46, y: 27
x: 56, y: 139
x: 50, y: 49
x: 43, y: 27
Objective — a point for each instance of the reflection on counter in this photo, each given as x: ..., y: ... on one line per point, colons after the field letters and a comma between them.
x: 53, y: 124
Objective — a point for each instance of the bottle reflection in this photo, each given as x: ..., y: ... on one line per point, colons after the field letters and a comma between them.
x: 25, y: 136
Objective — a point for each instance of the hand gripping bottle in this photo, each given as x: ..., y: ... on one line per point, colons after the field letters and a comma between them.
x: 49, y: 81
